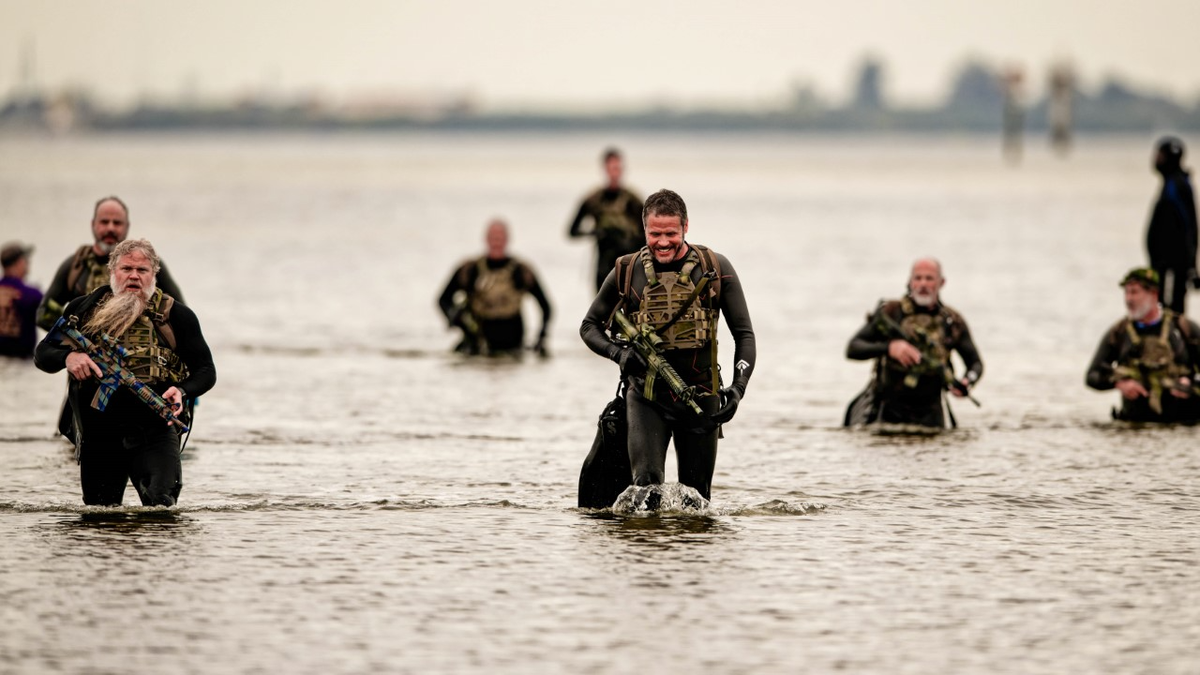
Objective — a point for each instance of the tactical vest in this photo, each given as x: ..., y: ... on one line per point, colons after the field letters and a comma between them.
x: 87, y: 273
x: 611, y: 219
x: 1151, y: 361
x: 495, y: 295
x: 928, y: 333
x: 150, y: 344
x: 665, y: 295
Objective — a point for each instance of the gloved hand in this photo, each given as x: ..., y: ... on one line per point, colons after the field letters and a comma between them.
x: 729, y: 403
x: 631, y: 362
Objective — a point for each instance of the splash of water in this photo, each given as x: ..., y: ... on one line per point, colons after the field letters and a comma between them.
x: 665, y: 498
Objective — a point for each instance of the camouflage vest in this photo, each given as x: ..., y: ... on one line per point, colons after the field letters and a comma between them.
x: 928, y: 334
x: 665, y: 295
x: 1151, y: 361
x: 611, y: 219
x: 150, y: 344
x: 87, y: 273
x: 495, y: 294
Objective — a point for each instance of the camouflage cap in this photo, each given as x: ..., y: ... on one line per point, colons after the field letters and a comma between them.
x: 1144, y: 276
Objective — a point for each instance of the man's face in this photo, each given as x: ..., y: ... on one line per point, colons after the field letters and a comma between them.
x: 1139, y: 300
x: 134, y: 273
x: 613, y: 168
x: 925, y: 283
x: 497, y: 240
x: 110, y: 226
x: 664, y: 236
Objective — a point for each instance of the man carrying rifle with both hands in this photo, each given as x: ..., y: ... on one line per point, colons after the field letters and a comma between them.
x: 911, y: 340
x: 676, y: 291
x: 136, y: 359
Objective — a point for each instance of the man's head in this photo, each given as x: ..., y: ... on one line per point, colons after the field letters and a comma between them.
x: 1141, y: 286
x: 132, y: 266
x: 14, y: 257
x: 664, y: 217
x: 110, y: 224
x: 1168, y: 154
x: 925, y: 282
x: 496, y: 237
x: 613, y: 166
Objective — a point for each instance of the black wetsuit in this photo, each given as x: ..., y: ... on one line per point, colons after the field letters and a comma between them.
x: 1117, y: 348
x: 652, y: 424
x: 611, y: 243
x: 1171, y: 237
x: 505, y: 334
x: 128, y: 441
x: 61, y: 291
x: 888, y: 398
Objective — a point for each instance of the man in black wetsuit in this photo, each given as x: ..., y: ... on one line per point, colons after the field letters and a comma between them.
x: 911, y: 340
x: 483, y: 299
x: 1150, y: 356
x: 616, y: 215
x: 1171, y: 235
x: 87, y: 269
x: 656, y: 286
x: 126, y: 440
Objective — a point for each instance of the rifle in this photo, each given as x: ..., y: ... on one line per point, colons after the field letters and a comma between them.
x: 929, y: 361
x: 648, y: 345
x: 109, y: 356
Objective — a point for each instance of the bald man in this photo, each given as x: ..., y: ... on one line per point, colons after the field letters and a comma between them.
x: 910, y: 340
x: 483, y: 299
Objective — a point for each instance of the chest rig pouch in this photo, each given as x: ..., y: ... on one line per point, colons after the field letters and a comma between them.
x: 928, y: 333
x: 612, y: 221
x: 1152, y: 361
x: 669, y: 306
x: 495, y: 295
x: 150, y: 344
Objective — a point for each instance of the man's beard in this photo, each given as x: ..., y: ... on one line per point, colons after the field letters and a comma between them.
x: 924, y: 299
x: 105, y: 247
x: 1139, y: 312
x: 116, y: 314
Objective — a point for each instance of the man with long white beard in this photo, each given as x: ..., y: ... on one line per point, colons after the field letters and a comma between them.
x: 911, y: 340
x: 1150, y: 356
x: 127, y: 441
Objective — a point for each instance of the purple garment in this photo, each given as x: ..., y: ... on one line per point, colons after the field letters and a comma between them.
x: 18, y: 307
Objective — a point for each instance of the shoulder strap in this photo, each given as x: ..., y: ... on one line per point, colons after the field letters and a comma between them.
x: 710, y: 263
x: 77, y: 263
x: 160, y: 316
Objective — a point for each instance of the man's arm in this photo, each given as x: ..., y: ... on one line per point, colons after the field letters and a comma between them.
x: 193, y: 349
x: 446, y: 300
x: 737, y: 318
x: 576, y: 229
x: 51, y: 353
x: 1100, y: 372
x: 535, y: 289
x: 868, y: 342
x: 593, y: 330
x: 970, y: 355
x: 57, y: 296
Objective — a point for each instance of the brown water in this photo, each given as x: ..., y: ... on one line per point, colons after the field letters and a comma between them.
x: 359, y: 500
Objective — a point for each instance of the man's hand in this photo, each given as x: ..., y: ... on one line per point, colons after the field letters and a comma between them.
x: 81, y: 366
x: 904, y: 353
x: 1131, y: 389
x: 729, y: 403
x: 1184, y: 390
x: 631, y: 362
x: 960, y: 388
x: 174, y: 398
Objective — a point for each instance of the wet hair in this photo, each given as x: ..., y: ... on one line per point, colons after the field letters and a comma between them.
x: 611, y: 153
x: 665, y: 203
x: 110, y: 198
x: 133, y: 246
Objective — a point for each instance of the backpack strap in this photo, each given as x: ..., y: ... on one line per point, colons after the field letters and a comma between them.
x: 78, y: 261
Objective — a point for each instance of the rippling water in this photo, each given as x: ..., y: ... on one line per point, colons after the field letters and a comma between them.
x: 357, y: 499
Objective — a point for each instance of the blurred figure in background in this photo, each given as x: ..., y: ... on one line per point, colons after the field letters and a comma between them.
x: 483, y: 299
x: 616, y: 215
x: 1171, y: 235
x: 1150, y: 356
x: 87, y: 269
x: 18, y: 303
x: 911, y: 340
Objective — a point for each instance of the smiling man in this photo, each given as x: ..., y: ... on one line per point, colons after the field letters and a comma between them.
x: 164, y: 349
x: 911, y: 340
x: 657, y: 287
x: 87, y: 269
x: 1150, y: 356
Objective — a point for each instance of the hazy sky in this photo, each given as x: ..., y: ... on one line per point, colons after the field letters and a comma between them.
x: 579, y: 54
